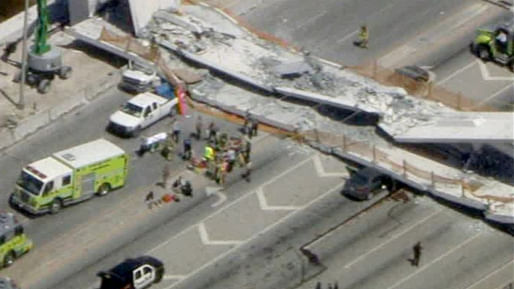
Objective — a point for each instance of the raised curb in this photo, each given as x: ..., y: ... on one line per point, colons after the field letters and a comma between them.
x: 35, y: 122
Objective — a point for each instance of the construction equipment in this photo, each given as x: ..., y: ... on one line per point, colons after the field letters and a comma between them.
x: 496, y: 44
x: 44, y: 60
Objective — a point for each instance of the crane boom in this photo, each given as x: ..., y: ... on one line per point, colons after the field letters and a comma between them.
x: 42, y: 46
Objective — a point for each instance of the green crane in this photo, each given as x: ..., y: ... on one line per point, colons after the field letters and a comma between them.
x: 44, y: 60
x: 41, y: 45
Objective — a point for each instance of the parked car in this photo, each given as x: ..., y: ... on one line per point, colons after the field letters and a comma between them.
x: 136, y: 273
x: 365, y: 183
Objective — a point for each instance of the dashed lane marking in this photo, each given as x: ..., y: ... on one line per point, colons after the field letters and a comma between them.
x: 489, y: 275
x: 173, y: 277
x: 268, y: 228
x: 352, y: 34
x: 406, y: 230
x: 248, y: 194
x: 427, y: 265
x: 494, y: 95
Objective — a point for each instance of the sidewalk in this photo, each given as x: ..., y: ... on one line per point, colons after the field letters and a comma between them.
x: 92, y: 74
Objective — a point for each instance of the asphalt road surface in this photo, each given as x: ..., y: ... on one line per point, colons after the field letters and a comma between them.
x: 432, y: 34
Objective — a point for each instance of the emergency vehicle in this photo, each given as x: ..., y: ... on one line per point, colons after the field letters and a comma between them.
x: 70, y: 176
x: 13, y: 241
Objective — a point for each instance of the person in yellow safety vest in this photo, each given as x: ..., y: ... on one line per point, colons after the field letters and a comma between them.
x: 208, y: 153
x: 363, y: 37
x: 209, y: 156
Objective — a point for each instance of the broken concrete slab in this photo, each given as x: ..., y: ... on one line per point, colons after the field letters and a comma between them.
x: 292, y: 69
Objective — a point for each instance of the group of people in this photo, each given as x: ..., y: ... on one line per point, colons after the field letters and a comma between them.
x: 222, y: 152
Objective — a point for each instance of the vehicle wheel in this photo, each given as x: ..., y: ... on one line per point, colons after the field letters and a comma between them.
x: 65, y: 72
x: 484, y: 53
x: 9, y: 259
x: 136, y: 132
x: 159, y: 274
x: 104, y: 189
x: 56, y: 206
x: 43, y: 86
x: 511, y: 66
x: 31, y: 79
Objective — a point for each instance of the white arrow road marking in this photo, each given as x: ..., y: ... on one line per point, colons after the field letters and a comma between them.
x: 209, y: 191
x: 487, y: 76
x: 264, y: 204
x: 456, y: 72
x: 204, y: 236
x: 321, y: 170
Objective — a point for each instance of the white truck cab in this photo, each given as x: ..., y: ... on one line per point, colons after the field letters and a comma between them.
x: 140, y: 112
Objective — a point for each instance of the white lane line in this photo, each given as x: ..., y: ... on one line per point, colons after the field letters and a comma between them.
x: 265, y: 207
x: 321, y: 170
x: 434, y: 261
x: 204, y: 236
x: 172, y: 238
x: 487, y: 99
x: 361, y: 257
x: 489, y: 275
x: 455, y: 73
x: 248, y: 194
x: 487, y: 76
x: 173, y: 277
x: 268, y: 228
x: 347, y: 36
x: 312, y: 19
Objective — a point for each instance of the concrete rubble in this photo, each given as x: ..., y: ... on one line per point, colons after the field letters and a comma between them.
x: 209, y: 38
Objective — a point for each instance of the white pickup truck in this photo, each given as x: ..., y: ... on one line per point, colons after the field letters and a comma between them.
x: 139, y: 112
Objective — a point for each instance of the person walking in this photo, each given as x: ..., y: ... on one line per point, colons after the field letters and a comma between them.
x: 254, y: 126
x: 247, y: 121
x: 149, y: 199
x: 166, y: 174
x: 169, y: 148
x: 212, y: 132
x: 247, y: 148
x: 363, y: 37
x: 247, y: 171
x: 417, y: 254
x: 199, y: 127
x: 175, y: 131
x: 187, y: 149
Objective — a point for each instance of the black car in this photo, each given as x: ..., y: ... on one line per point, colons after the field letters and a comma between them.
x: 365, y: 183
x: 134, y: 273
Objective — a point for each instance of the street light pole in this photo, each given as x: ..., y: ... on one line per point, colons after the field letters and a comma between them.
x: 21, y: 102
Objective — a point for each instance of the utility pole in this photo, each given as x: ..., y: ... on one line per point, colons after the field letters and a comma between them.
x: 21, y: 102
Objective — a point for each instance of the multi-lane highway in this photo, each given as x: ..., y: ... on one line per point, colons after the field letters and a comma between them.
x: 432, y: 34
x: 250, y: 235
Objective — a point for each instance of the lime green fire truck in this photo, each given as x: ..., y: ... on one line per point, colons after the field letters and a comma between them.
x: 70, y: 176
x: 13, y: 241
x: 496, y: 44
